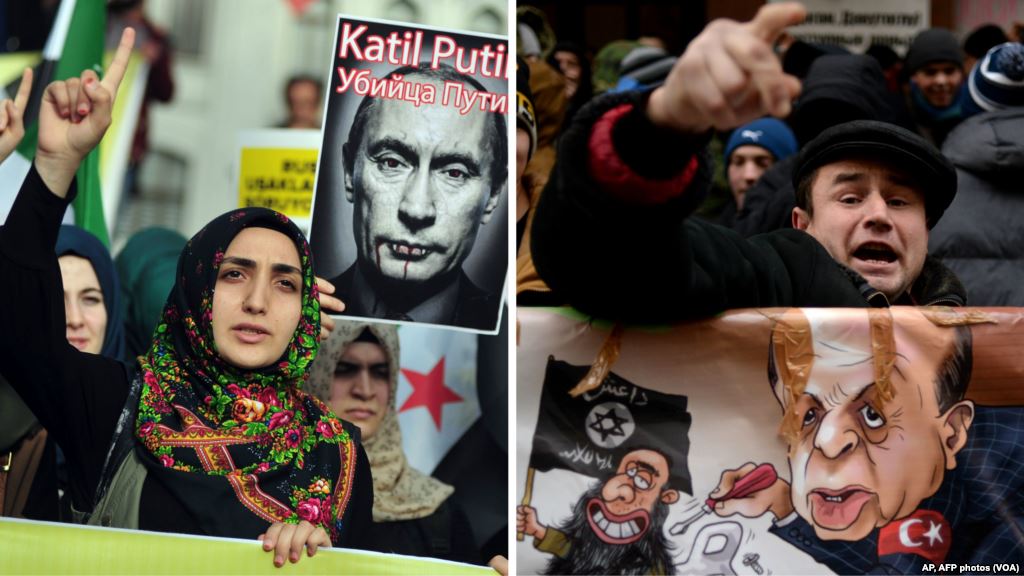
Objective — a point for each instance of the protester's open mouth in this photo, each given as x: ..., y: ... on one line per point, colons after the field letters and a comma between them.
x: 876, y: 254
x: 838, y: 509
x: 612, y: 528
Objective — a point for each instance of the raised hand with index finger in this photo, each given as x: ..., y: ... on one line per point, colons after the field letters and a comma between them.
x: 74, y: 116
x: 729, y: 75
x: 12, y: 112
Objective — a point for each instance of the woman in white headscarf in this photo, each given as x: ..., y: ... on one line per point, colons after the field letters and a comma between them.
x: 356, y: 375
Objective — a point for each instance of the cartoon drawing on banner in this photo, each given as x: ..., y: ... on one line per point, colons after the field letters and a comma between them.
x: 891, y: 468
x: 633, y: 442
x: 856, y: 441
x: 714, y: 549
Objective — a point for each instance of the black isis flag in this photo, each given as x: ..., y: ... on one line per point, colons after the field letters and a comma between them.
x: 589, y: 434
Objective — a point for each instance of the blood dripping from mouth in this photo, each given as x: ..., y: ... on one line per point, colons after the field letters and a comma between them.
x: 405, y: 269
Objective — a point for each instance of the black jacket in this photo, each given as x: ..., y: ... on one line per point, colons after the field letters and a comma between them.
x: 639, y: 263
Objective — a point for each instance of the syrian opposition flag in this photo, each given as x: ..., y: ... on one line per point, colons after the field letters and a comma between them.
x: 589, y: 434
x: 437, y: 398
x: 75, y: 44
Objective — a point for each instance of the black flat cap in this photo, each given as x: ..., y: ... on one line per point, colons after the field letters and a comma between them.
x: 892, y: 144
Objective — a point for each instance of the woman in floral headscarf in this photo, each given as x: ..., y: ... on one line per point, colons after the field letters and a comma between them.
x: 356, y: 374
x: 211, y: 434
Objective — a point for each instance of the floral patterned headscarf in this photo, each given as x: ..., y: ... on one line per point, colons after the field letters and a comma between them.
x: 215, y: 434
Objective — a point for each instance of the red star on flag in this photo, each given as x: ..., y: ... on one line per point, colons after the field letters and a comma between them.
x: 428, y: 390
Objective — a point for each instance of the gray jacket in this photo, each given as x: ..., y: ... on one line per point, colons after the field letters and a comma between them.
x: 981, y: 236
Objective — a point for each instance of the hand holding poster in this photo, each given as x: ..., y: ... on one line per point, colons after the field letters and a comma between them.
x: 409, y: 212
x: 28, y: 549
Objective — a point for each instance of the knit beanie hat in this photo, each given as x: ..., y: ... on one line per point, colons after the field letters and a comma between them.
x: 526, y: 118
x: 997, y: 81
x: 771, y: 134
x: 932, y: 45
x: 607, y: 64
x: 643, y: 67
x: 983, y: 39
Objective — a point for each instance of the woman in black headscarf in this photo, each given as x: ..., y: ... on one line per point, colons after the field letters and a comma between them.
x: 91, y: 290
x: 211, y: 434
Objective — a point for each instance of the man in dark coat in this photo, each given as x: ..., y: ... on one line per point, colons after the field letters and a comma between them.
x: 612, y: 235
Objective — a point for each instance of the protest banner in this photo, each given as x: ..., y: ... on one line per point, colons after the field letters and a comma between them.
x: 276, y: 169
x: 803, y: 441
x: 410, y: 204
x: 29, y: 549
x: 857, y: 25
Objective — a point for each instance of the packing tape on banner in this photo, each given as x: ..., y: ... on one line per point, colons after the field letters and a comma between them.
x: 29, y: 547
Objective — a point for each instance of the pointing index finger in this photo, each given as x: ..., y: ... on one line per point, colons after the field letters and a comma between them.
x: 21, y: 99
x: 112, y: 79
x: 772, y: 19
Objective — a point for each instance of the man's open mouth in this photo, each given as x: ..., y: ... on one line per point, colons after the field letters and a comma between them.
x: 838, y: 509
x: 876, y: 253
x: 615, y: 529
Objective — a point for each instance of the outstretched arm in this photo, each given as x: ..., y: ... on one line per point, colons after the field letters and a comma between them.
x: 612, y: 233
x: 74, y: 115
x: 75, y: 395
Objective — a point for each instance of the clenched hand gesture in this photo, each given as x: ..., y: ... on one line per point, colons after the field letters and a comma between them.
x: 74, y: 115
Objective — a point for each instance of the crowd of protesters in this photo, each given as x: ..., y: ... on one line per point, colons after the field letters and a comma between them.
x: 687, y: 185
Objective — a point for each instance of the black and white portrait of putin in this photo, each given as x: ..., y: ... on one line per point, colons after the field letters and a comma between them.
x: 421, y: 180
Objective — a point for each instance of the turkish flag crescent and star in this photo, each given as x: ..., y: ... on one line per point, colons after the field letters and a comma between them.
x: 925, y: 533
x: 589, y: 434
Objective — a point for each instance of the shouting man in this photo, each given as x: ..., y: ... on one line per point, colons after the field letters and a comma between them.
x: 612, y: 233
